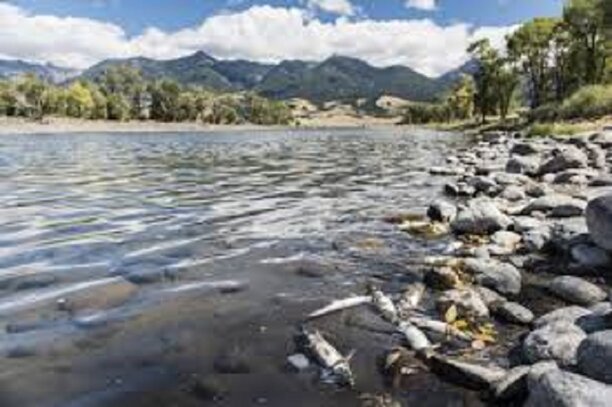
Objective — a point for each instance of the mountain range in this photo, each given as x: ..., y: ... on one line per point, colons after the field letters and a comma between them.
x: 336, y: 78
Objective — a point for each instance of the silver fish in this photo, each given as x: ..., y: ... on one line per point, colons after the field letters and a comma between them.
x: 415, y: 338
x: 340, y: 305
x: 440, y: 327
x: 385, y: 306
x: 334, y: 364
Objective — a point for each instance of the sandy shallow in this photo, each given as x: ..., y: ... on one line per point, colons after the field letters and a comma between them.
x: 11, y: 125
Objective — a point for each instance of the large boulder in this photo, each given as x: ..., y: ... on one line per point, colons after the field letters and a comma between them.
x: 480, y: 217
x: 576, y: 290
x: 555, y: 387
x: 562, y: 159
x: 569, y: 314
x: 558, y: 341
x: 595, y: 356
x: 599, y: 221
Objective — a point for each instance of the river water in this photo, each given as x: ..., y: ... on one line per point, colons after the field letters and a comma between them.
x: 133, y: 265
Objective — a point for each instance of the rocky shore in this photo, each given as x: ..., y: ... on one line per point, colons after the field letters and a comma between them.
x: 517, y: 304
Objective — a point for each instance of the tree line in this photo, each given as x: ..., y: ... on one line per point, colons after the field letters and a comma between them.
x: 121, y: 94
x: 557, y: 68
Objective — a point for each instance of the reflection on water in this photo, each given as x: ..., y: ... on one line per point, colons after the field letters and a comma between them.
x: 168, y: 211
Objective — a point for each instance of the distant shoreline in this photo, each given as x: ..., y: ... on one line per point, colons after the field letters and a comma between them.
x: 21, y: 126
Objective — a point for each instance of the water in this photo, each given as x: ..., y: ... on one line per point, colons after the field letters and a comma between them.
x: 114, y: 251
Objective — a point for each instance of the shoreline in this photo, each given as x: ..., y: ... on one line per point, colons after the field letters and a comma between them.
x: 21, y: 126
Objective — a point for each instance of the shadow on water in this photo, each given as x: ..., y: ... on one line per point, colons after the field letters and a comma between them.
x: 172, y: 269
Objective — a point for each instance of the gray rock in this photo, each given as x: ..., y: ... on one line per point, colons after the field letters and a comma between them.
x: 603, y: 139
x: 560, y: 203
x: 536, y: 190
x: 489, y: 296
x: 446, y: 171
x: 595, y: 356
x: 564, y: 158
x: 559, y: 388
x: 459, y: 189
x: 501, y: 277
x: 568, y: 314
x: 577, y: 176
x: 513, y: 385
x: 525, y: 223
x: 535, y: 240
x: 576, y: 290
x: 442, y: 211
x: 505, y: 178
x: 556, y: 341
x: 467, y: 374
x: 480, y: 217
x: 505, y: 239
x: 523, y: 165
x: 597, y: 155
x: 483, y: 184
x: 599, y: 221
x: 604, y: 180
x: 513, y: 312
x: 468, y: 302
x: 513, y: 193
x: 524, y: 149
x: 590, y: 256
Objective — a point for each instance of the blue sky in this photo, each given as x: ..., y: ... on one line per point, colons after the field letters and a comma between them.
x: 427, y: 35
x: 136, y: 15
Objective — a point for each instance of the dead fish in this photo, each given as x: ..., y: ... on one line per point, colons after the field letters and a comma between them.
x: 467, y: 374
x: 415, y: 338
x: 410, y: 299
x: 335, y: 366
x: 440, y: 327
x: 340, y: 305
x: 385, y: 306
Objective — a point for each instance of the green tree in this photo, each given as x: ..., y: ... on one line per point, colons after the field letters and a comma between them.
x: 585, y: 21
x: 488, y: 63
x: 33, y: 90
x: 118, y: 107
x: 461, y: 98
x: 531, y: 47
x: 165, y: 100
x: 79, y: 100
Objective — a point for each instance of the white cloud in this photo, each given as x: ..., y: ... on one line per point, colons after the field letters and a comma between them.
x: 260, y: 33
x: 341, y: 7
x: 421, y: 4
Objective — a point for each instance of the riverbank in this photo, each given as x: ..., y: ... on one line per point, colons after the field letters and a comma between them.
x: 517, y: 303
x: 55, y: 125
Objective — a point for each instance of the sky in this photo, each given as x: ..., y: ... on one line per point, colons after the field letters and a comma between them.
x: 430, y: 36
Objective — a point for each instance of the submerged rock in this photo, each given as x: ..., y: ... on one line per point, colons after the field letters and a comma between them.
x: 577, y: 290
x: 556, y: 341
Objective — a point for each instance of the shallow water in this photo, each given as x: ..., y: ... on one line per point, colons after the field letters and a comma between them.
x: 221, y: 236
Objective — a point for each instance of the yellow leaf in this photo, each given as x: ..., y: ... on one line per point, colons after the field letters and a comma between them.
x: 451, y: 314
x: 461, y: 324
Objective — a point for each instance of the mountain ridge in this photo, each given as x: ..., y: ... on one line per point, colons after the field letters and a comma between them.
x: 335, y: 78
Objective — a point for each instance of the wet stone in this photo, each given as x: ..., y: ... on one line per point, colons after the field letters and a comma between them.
x: 577, y: 290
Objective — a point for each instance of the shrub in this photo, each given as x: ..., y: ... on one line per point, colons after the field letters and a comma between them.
x: 589, y: 102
